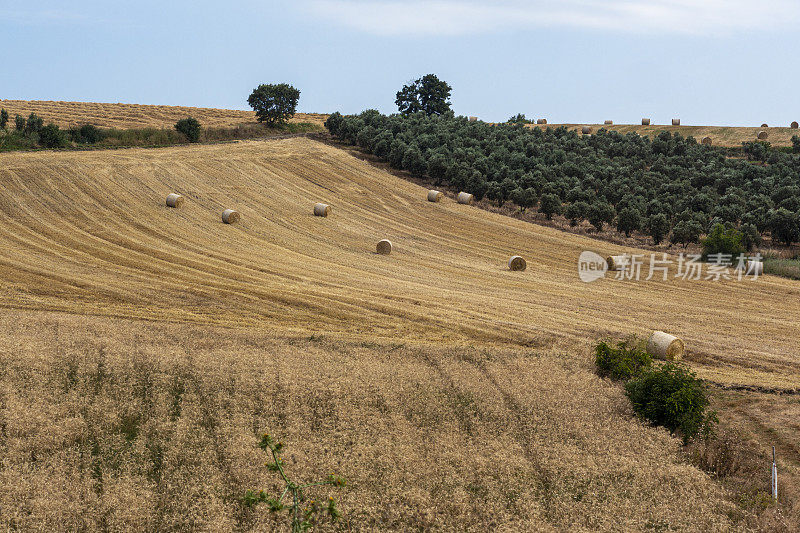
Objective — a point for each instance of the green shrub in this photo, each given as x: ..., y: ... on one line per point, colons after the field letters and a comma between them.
x: 19, y: 123
x: 190, y: 128
x: 796, y: 144
x: 550, y: 205
x: 34, y: 124
x: 51, y: 137
x: 90, y: 134
x: 3, y: 119
x: 722, y: 240
x: 622, y: 360
x: 671, y: 396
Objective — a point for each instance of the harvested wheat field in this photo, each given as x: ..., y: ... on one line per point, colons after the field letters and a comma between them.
x: 143, y: 349
x: 123, y: 116
x: 725, y: 136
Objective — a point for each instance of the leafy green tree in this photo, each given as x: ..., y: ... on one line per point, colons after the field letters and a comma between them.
x: 334, y: 123
x: 34, y: 124
x: 686, y: 232
x: 550, y: 205
x: 750, y: 236
x: 274, y: 104
x: 519, y: 118
x: 190, y: 128
x: 722, y: 240
x: 427, y: 94
x: 796, y: 144
x: 600, y: 213
x: 628, y: 220
x: 51, y: 137
x: 19, y: 123
x: 3, y: 119
x: 576, y: 212
x: 657, y: 226
x: 785, y: 226
x: 524, y: 198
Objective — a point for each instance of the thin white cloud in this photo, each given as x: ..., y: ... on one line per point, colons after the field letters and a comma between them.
x: 451, y: 17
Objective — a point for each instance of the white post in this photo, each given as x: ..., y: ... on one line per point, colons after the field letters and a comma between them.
x: 774, y: 476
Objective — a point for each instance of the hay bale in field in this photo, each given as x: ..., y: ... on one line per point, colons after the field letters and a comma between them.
x: 665, y: 346
x: 754, y: 268
x: 617, y: 262
x: 794, y: 125
x: 473, y: 119
x: 434, y: 196
x: 586, y: 130
x: 322, y: 210
x: 174, y: 200
x: 676, y: 122
x: 384, y: 247
x: 706, y: 141
x: 541, y: 121
x: 645, y: 122
x: 762, y: 135
x: 517, y: 264
x: 765, y: 125
x: 608, y: 122
x: 229, y: 216
x: 465, y: 198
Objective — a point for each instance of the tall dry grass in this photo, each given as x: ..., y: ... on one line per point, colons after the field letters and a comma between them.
x: 125, y: 426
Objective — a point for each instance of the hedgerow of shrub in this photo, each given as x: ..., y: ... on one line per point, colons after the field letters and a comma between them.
x: 621, y: 360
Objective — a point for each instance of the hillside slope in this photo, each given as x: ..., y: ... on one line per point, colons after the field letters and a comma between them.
x: 89, y: 234
x: 143, y: 348
x: 123, y: 116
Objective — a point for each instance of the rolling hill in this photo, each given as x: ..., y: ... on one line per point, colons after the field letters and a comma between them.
x: 144, y: 347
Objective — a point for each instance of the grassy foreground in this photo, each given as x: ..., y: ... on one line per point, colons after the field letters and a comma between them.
x: 117, y: 425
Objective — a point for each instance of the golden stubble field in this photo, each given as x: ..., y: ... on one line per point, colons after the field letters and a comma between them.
x: 144, y: 348
x: 123, y: 116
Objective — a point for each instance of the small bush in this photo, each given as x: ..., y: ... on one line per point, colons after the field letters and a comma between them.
x: 19, y: 123
x: 622, y: 360
x: 34, y: 124
x: 90, y: 134
x: 671, y: 396
x: 190, y: 128
x: 51, y: 137
x: 723, y: 240
x: 3, y: 118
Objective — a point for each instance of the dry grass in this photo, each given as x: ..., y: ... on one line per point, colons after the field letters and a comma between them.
x: 725, y: 136
x: 123, y: 426
x: 453, y: 392
x: 126, y: 116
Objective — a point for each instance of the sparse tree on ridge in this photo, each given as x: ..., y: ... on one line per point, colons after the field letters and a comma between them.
x: 427, y: 94
x: 274, y: 104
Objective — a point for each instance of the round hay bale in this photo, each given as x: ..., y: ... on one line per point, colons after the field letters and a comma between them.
x: 517, y: 264
x: 676, y: 122
x: 645, y: 122
x: 754, y: 268
x: 174, y: 200
x: 465, y: 198
x: 541, y: 121
x: 617, y: 262
x: 794, y: 125
x: 322, y: 210
x: 434, y: 196
x: 665, y: 346
x: 586, y: 130
x: 765, y: 125
x: 229, y: 216
x: 384, y: 247
x: 706, y: 141
x: 762, y: 135
x: 608, y: 122
x: 473, y: 119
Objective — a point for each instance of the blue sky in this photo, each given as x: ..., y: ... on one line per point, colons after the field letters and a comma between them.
x: 726, y: 62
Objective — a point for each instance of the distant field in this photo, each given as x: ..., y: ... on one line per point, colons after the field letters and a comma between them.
x: 67, y: 114
x: 720, y: 135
